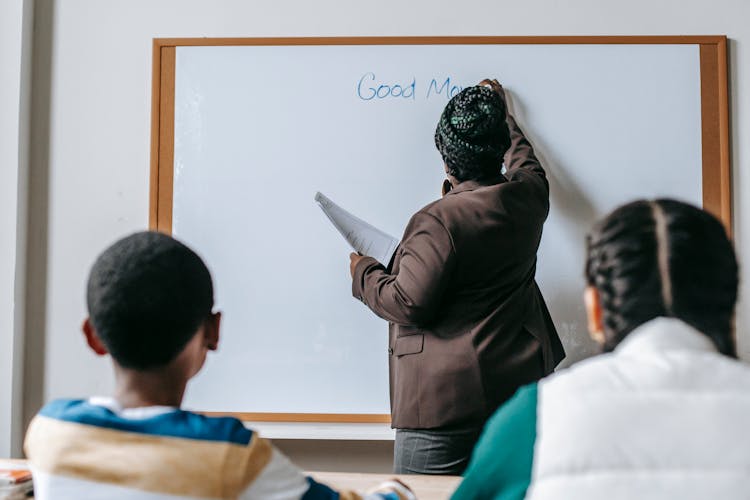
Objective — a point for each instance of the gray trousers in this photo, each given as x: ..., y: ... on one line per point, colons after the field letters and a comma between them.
x: 423, y: 451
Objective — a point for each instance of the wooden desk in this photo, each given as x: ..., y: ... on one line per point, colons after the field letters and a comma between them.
x: 424, y: 487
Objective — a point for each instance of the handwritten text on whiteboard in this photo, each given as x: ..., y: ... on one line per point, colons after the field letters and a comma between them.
x: 370, y: 88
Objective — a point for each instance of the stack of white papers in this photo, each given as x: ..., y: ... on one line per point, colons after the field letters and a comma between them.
x: 363, y: 237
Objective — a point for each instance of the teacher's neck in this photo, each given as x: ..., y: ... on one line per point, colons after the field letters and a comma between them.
x: 472, y: 183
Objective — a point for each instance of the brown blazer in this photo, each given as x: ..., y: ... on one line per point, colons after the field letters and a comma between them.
x: 468, y: 324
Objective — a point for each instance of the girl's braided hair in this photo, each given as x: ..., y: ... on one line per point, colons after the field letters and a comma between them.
x: 663, y: 258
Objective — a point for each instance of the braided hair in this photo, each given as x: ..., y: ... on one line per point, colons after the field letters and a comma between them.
x: 472, y: 134
x: 663, y: 258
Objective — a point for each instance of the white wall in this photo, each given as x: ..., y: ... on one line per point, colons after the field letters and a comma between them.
x: 15, y: 38
x: 339, y: 456
x: 98, y: 56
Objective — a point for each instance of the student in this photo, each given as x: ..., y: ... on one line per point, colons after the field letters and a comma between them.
x: 664, y: 413
x: 150, y: 301
x: 468, y: 324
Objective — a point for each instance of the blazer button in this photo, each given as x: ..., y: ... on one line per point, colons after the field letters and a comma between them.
x: 390, y: 351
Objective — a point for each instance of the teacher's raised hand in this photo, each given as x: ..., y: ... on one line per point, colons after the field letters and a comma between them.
x: 494, y: 85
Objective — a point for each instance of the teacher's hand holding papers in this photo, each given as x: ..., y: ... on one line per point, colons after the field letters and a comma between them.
x: 363, y: 237
x: 354, y: 259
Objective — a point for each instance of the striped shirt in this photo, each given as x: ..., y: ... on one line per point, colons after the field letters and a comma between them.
x: 93, y: 449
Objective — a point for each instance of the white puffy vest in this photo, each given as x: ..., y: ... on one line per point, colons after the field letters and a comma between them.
x: 663, y: 416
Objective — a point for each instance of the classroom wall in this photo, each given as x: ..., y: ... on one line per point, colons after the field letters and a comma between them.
x: 15, y: 38
x: 91, y: 126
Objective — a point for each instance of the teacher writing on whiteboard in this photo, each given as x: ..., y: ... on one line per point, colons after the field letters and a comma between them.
x: 467, y: 322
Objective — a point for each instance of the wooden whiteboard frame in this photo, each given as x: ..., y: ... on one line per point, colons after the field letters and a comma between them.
x: 714, y: 131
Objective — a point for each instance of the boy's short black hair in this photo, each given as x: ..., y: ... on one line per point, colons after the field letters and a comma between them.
x: 147, y: 295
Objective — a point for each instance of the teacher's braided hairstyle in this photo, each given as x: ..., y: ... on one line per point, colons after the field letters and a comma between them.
x: 663, y: 258
x: 472, y: 134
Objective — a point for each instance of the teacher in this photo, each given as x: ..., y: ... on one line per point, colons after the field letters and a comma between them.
x: 467, y: 322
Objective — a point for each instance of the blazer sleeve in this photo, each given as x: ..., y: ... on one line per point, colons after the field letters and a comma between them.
x: 521, y: 164
x: 413, y: 294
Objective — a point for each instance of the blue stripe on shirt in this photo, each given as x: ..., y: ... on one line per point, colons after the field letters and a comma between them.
x: 177, y: 423
x: 318, y: 491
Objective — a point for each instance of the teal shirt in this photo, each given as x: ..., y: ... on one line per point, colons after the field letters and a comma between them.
x: 500, y: 467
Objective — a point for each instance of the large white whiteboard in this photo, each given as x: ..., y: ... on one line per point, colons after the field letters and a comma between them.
x: 260, y: 129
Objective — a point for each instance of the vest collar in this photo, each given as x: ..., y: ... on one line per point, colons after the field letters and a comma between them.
x: 664, y: 334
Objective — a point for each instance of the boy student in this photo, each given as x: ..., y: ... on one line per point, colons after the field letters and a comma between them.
x: 150, y: 301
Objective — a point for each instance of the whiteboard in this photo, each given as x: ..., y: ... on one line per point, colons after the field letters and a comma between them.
x: 259, y: 129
